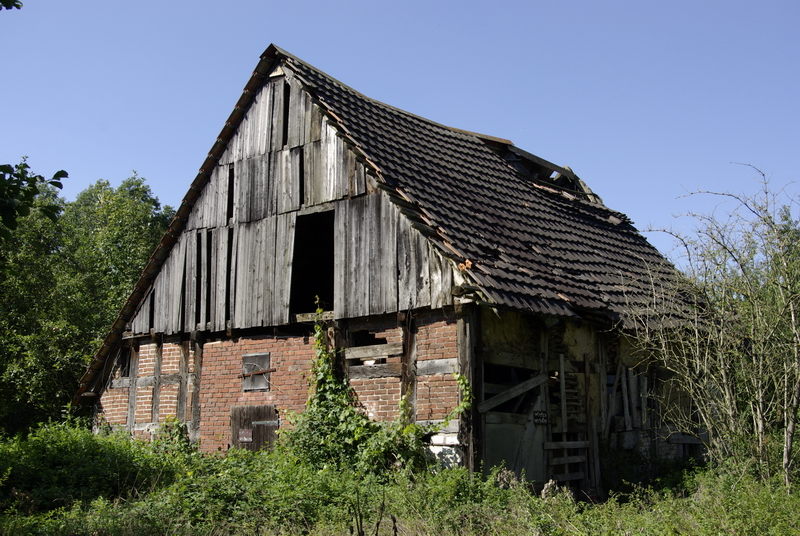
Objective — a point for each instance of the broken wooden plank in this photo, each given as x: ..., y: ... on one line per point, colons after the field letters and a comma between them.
x: 515, y: 391
x: 375, y: 351
x: 313, y: 317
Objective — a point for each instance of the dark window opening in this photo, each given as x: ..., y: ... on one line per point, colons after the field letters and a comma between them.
x: 312, y: 265
x: 287, y: 91
x: 230, y: 276
x: 301, y: 172
x: 209, y: 281
x: 198, y: 277
x: 256, y: 372
x: 499, y: 378
x: 231, y: 181
x: 124, y: 363
x: 365, y: 338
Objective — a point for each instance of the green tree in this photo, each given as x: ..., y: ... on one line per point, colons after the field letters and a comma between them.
x: 61, y: 288
x: 18, y: 191
x: 10, y: 4
x: 735, y: 347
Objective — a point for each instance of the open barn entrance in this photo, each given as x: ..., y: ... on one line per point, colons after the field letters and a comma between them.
x: 312, y: 267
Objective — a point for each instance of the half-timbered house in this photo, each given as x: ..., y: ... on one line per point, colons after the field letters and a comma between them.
x: 433, y: 250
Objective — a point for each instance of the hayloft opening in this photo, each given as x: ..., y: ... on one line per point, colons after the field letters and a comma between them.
x: 312, y: 264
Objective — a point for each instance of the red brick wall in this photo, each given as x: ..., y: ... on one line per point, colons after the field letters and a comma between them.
x: 221, y: 384
x: 115, y: 406
x: 437, y: 338
x: 170, y: 358
x: 437, y: 395
x: 379, y: 396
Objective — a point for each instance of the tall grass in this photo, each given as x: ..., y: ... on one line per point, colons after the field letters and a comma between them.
x: 63, y: 479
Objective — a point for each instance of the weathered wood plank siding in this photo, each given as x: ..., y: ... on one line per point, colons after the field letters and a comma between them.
x: 232, y: 265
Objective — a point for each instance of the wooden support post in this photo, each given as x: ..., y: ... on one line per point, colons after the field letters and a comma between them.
x: 612, y: 402
x: 643, y: 395
x: 633, y: 389
x: 562, y: 384
x: 626, y: 404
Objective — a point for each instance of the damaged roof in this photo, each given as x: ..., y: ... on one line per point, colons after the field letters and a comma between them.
x: 527, y: 234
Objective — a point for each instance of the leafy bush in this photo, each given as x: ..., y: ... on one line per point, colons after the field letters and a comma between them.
x: 60, y: 464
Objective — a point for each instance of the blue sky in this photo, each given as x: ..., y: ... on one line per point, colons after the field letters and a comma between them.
x: 645, y: 101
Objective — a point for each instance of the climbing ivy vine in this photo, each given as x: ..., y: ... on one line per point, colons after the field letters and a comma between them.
x: 334, y: 430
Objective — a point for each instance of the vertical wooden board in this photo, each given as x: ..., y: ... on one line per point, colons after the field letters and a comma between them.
x: 255, y: 192
x: 284, y: 247
x: 141, y: 320
x: 359, y: 186
x: 257, y: 279
x: 435, y: 278
x: 441, y: 279
x: 159, y: 301
x: 332, y: 147
x: 388, y: 254
x: 267, y: 287
x: 285, y: 190
x: 221, y: 278
x: 372, y: 227
x: 339, y: 183
x: 231, y: 273
x: 202, y: 299
x: 291, y: 197
x: 260, y: 189
x: 316, y: 123
x: 224, y: 279
x: 406, y: 282
x: 260, y: 109
x: 301, y: 115
x: 275, y: 183
x: 242, y: 274
x: 348, y: 171
x: 359, y: 264
x: 447, y: 281
x: 313, y: 172
x: 235, y: 143
x: 317, y: 180
x: 189, y: 282
x: 242, y: 190
x: 277, y: 114
x: 420, y: 268
x: 266, y: 117
x: 295, y: 115
x: 217, y: 207
x: 164, y: 303
x: 177, y: 266
x: 341, y: 268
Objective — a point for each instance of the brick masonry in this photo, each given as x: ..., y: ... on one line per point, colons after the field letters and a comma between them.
x: 165, y: 375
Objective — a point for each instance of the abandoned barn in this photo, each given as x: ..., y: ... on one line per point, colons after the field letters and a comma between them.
x: 433, y: 251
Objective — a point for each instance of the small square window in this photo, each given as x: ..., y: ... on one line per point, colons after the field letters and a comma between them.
x: 256, y: 372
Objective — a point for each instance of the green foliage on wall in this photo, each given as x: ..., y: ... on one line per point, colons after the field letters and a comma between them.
x: 335, y: 431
